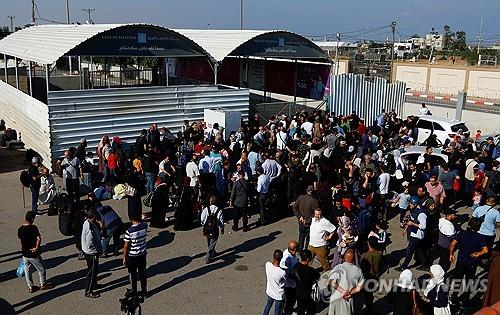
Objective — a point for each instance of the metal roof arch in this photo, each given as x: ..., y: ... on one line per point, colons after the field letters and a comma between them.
x: 45, y: 44
x: 220, y: 44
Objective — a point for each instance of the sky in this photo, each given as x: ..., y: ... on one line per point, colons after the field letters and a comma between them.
x: 354, y: 19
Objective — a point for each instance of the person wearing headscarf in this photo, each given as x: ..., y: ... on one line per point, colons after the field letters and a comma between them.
x: 436, y: 291
x: 402, y: 294
x: 100, y: 152
x: 47, y: 187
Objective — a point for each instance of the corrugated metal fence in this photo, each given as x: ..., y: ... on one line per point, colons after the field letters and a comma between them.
x: 352, y: 92
x: 124, y: 112
x: 29, y: 117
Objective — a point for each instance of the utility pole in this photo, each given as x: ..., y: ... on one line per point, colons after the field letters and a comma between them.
x: 11, y: 17
x: 337, y: 56
x: 241, y: 14
x: 67, y: 11
x: 89, y: 11
x: 68, y: 22
x: 33, y: 12
x: 393, y: 27
x: 479, y: 36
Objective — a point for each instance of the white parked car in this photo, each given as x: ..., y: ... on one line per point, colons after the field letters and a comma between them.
x: 415, y: 154
x: 443, y: 128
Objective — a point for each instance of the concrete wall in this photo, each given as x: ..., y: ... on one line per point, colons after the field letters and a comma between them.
x: 448, y: 80
x: 414, y: 77
x: 484, y: 84
x: 486, y: 122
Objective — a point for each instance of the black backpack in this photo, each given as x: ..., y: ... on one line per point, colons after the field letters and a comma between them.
x: 25, y: 178
x: 211, y: 227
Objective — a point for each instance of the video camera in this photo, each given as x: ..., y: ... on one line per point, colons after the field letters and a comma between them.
x: 130, y: 302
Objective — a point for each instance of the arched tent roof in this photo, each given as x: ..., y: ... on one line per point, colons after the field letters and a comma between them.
x: 45, y: 44
x: 272, y: 44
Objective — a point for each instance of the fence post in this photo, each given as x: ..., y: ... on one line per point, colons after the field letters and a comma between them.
x: 461, y: 100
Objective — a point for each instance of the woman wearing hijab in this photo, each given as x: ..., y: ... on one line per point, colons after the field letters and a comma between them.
x: 100, y: 152
x: 402, y: 294
x: 436, y: 291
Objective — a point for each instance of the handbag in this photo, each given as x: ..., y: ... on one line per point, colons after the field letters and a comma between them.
x: 20, y: 268
x: 420, y: 307
x: 148, y: 199
x: 370, y: 198
x: 316, y: 292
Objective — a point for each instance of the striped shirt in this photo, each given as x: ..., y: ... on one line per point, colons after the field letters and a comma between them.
x: 136, y: 236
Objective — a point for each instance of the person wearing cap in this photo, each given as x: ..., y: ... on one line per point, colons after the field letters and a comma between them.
x: 303, y: 209
x: 36, y: 183
x: 446, y: 233
x: 415, y: 231
x: 92, y: 248
x: 490, y: 146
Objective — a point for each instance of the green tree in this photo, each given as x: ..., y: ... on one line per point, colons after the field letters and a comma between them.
x: 415, y: 36
x: 448, y: 37
x: 460, y: 41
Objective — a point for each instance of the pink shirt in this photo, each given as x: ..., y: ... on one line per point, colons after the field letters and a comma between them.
x: 435, y: 192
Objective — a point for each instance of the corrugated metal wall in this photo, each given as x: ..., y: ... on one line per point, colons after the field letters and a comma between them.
x: 29, y: 117
x: 351, y: 92
x: 124, y: 112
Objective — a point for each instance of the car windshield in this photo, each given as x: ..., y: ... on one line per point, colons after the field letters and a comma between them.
x: 462, y: 126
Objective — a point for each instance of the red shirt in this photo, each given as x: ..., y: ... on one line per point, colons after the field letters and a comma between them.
x: 112, y: 161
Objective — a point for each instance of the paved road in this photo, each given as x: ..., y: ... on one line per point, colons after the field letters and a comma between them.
x: 178, y: 279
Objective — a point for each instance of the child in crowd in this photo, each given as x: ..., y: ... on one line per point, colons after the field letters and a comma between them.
x: 476, y: 198
x: 402, y: 202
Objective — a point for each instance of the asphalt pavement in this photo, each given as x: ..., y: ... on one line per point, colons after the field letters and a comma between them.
x: 179, y: 281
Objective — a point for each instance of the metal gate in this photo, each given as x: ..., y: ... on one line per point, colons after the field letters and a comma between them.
x: 352, y: 92
x: 124, y: 112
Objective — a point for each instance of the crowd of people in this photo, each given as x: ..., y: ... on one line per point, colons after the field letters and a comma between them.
x: 341, y: 177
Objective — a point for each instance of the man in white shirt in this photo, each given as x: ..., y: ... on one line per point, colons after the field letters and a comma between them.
x: 212, y: 238
x: 446, y: 233
x: 288, y: 263
x: 263, y: 182
x: 192, y: 171
x: 424, y: 110
x: 275, y: 284
x: 320, y: 233
x: 307, y: 126
x: 383, y: 191
x: 281, y: 138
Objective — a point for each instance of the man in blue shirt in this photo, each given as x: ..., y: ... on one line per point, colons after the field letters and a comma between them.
x: 471, y: 248
x: 491, y: 221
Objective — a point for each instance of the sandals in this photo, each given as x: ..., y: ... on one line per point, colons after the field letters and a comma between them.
x: 92, y: 295
x: 33, y: 289
x: 46, y: 286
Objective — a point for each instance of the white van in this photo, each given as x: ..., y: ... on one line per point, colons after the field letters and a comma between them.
x: 443, y: 128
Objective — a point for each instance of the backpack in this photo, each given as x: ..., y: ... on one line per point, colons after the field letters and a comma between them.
x: 476, y: 222
x: 211, y: 227
x: 25, y: 178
